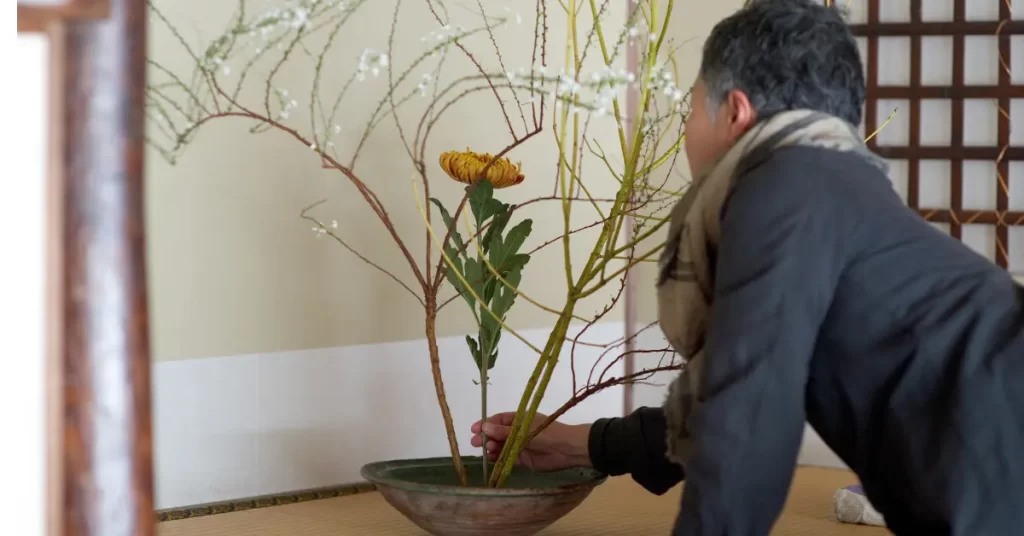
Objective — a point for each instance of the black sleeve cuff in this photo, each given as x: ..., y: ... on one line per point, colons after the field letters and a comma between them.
x: 634, y: 445
x: 609, y: 461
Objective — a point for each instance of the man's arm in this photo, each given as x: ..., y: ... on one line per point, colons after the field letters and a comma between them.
x: 635, y: 444
x: 778, y: 263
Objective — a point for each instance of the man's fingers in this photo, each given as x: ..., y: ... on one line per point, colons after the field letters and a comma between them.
x: 497, y: 426
x: 493, y: 447
x: 504, y: 419
x: 496, y: 432
x: 492, y: 444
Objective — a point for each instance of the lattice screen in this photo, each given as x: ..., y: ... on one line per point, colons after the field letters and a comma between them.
x: 954, y: 72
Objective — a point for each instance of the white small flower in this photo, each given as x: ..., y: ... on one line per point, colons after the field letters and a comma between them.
x: 337, y: 129
x: 226, y: 70
x: 334, y: 223
x: 292, y: 104
x: 284, y: 114
x: 372, y: 61
x: 312, y: 146
x: 301, y: 17
x: 567, y: 86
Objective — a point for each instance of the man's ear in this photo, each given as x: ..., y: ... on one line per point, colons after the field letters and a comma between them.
x: 742, y: 114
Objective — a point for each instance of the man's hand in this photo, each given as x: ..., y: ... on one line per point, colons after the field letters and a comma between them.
x: 559, y: 446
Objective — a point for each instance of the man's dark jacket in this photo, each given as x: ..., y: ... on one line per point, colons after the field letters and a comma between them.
x: 837, y: 305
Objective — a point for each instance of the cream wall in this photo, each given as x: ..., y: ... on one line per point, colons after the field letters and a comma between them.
x: 233, y: 268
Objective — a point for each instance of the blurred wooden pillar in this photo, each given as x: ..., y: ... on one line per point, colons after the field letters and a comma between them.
x: 104, y: 468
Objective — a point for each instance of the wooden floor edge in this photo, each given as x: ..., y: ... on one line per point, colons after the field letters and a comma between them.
x: 263, y: 501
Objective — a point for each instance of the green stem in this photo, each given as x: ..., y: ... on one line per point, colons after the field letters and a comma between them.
x: 485, y: 356
x: 483, y: 416
x: 530, y: 400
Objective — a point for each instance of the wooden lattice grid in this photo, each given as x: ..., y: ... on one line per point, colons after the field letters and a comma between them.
x: 959, y: 27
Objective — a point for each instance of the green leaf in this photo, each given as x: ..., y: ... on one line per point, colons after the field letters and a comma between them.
x: 518, y: 235
x: 490, y: 334
x: 506, y: 296
x: 482, y: 202
x: 496, y: 228
x: 476, y: 278
x: 503, y: 252
x: 511, y: 272
x: 453, y: 279
x: 489, y: 286
x: 474, y: 350
x: 515, y: 264
x: 456, y: 237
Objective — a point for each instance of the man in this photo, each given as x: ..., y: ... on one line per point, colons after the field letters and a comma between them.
x: 826, y: 301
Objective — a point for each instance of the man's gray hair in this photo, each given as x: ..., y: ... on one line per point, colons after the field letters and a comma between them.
x: 786, y: 55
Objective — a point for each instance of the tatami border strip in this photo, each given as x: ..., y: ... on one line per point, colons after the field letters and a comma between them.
x: 263, y: 501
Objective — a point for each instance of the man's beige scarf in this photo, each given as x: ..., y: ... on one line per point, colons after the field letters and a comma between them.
x: 686, y: 279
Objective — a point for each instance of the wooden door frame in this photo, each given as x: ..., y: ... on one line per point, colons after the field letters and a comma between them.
x: 100, y: 468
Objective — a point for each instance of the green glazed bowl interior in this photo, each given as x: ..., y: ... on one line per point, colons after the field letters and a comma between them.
x: 437, y: 476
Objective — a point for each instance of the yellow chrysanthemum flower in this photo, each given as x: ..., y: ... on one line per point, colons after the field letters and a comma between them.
x: 467, y: 167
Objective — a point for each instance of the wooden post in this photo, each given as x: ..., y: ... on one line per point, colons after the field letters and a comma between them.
x: 101, y: 475
x: 108, y: 448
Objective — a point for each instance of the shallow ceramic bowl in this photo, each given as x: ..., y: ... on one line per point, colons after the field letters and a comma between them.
x: 426, y: 492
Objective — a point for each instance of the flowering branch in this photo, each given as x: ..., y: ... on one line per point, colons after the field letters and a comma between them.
x: 277, y: 40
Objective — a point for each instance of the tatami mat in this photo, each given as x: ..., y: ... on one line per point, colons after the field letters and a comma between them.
x: 619, y: 507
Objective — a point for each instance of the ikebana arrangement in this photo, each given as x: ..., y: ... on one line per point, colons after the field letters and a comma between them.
x: 481, y: 246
